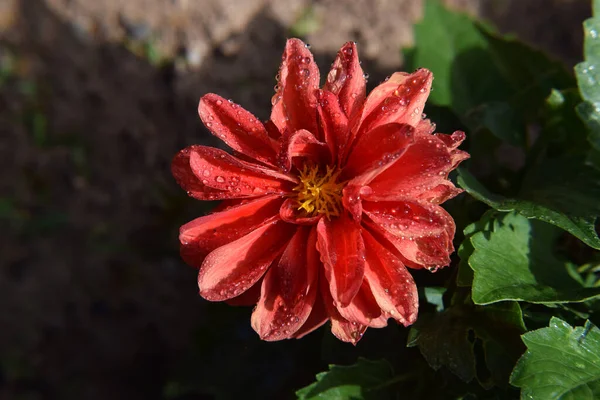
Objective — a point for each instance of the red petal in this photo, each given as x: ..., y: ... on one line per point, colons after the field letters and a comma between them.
x: 289, y: 213
x: 236, y: 127
x: 318, y: 316
x: 420, y: 172
x: 411, y: 219
x: 202, y: 235
x: 334, y: 125
x: 220, y: 170
x: 185, y: 177
x: 272, y: 129
x: 294, y: 104
x: 352, y: 201
x: 377, y: 148
x: 452, y: 141
x: 343, y: 329
x: 375, y: 152
x: 346, y: 79
x: 342, y: 253
x: 392, y: 285
x: 363, y: 309
x: 302, y: 143
x: 249, y: 298
x: 232, y: 269
x: 400, y: 99
x: 289, y: 289
x: 421, y: 232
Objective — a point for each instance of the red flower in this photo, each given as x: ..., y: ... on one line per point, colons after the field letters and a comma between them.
x: 326, y: 204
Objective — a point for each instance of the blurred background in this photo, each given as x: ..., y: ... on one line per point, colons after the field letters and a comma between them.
x: 95, y: 99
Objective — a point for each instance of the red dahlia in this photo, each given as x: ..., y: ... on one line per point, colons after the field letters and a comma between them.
x: 325, y: 204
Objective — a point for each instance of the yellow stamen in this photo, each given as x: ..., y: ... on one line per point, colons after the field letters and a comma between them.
x: 319, y: 194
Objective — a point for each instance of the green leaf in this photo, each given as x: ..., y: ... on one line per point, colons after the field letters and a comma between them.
x: 464, y: 278
x: 562, y: 128
x: 452, y: 47
x: 531, y: 73
x: 452, y: 339
x: 364, y: 380
x: 514, y: 260
x: 561, y: 362
x: 588, y: 80
x: 563, y: 192
x: 491, y: 82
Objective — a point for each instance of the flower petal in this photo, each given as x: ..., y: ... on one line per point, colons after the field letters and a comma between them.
x: 334, y: 125
x: 294, y: 104
x: 346, y: 79
x: 422, y: 232
x: 318, y: 316
x: 202, y: 235
x: 185, y: 177
x: 237, y: 127
x: 342, y: 253
x: 304, y: 144
x: 374, y: 153
x: 249, y: 298
x: 289, y: 289
x: 400, y: 99
x: 233, y: 268
x: 420, y: 171
x: 289, y: 213
x: 379, y: 147
x: 409, y: 218
x: 393, y: 287
x: 363, y: 309
x: 222, y: 171
x: 352, y: 201
x: 341, y: 328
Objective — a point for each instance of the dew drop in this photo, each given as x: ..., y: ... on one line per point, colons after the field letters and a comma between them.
x: 220, y: 179
x: 275, y: 99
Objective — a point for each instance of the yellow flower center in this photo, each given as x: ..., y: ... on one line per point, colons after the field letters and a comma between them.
x: 319, y: 193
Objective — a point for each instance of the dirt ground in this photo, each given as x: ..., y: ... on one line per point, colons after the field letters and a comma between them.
x: 95, y: 99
